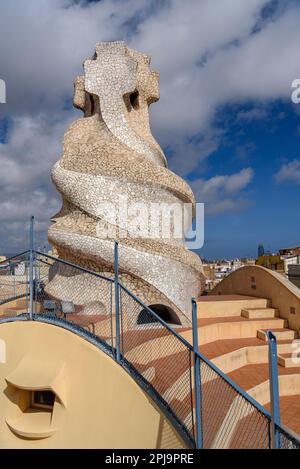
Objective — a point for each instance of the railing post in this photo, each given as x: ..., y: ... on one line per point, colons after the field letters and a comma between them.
x: 274, y: 390
x: 31, y: 267
x: 117, y: 301
x: 197, y: 379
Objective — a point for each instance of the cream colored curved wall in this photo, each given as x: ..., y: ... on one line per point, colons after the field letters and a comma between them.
x: 271, y: 285
x: 100, y: 406
x: 289, y: 385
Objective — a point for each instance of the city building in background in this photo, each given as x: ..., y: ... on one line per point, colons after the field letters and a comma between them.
x: 271, y: 261
x: 285, y: 262
x: 294, y: 274
x: 261, y: 250
x: 291, y: 259
x: 217, y: 270
x: 290, y: 251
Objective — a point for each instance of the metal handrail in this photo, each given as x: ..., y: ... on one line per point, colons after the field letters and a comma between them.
x: 82, y: 269
x: 158, y: 318
x: 14, y: 257
x: 202, y: 357
x: 12, y: 298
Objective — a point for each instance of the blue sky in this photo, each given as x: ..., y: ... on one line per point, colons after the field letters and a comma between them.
x: 225, y: 118
x: 271, y: 212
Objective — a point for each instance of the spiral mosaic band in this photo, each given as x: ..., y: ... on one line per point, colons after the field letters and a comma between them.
x: 111, y: 158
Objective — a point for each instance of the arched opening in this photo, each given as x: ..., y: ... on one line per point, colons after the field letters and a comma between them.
x: 92, y: 104
x: 163, y: 311
x: 134, y: 99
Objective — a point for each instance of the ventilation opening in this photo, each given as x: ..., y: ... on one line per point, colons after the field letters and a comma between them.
x: 42, y: 400
x: 134, y: 99
x: 34, y: 413
x: 92, y: 101
x: 164, y: 312
x: 92, y: 105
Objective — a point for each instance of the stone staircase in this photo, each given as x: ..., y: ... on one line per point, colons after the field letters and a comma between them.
x: 240, y: 348
x: 14, y: 307
x: 232, y: 334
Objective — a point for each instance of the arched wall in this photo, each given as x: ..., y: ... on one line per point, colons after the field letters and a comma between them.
x: 264, y: 283
x: 163, y: 311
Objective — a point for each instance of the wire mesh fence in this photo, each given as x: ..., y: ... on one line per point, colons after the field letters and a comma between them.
x: 229, y: 420
x: 14, y: 284
x: 151, y: 350
x: 287, y: 440
x: 156, y: 353
x: 65, y: 291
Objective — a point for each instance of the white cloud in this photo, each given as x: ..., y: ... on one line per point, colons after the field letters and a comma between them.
x: 243, y: 152
x: 239, y: 65
x: 252, y: 114
x: 207, y: 55
x: 223, y: 193
x: 43, y: 45
x: 289, y: 172
x: 187, y: 155
x: 25, y: 186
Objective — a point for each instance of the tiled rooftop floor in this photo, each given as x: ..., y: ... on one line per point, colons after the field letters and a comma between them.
x: 251, y: 375
x: 290, y: 411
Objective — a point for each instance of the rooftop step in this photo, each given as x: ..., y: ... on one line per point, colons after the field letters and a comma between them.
x: 10, y: 304
x: 259, y: 313
x: 237, y: 327
x: 280, y: 334
x: 22, y: 303
x: 285, y: 346
x: 288, y: 360
x: 19, y: 309
x: 228, y: 305
x: 14, y: 311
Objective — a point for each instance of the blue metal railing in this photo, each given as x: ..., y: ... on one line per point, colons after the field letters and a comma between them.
x: 197, y: 379
x: 14, y: 285
x: 274, y: 389
x: 201, y: 361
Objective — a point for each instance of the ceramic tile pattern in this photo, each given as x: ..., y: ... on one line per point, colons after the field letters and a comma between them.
x: 109, y: 156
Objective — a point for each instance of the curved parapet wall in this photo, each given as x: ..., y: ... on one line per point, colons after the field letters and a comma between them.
x: 111, y: 168
x: 97, y: 404
x: 264, y: 283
